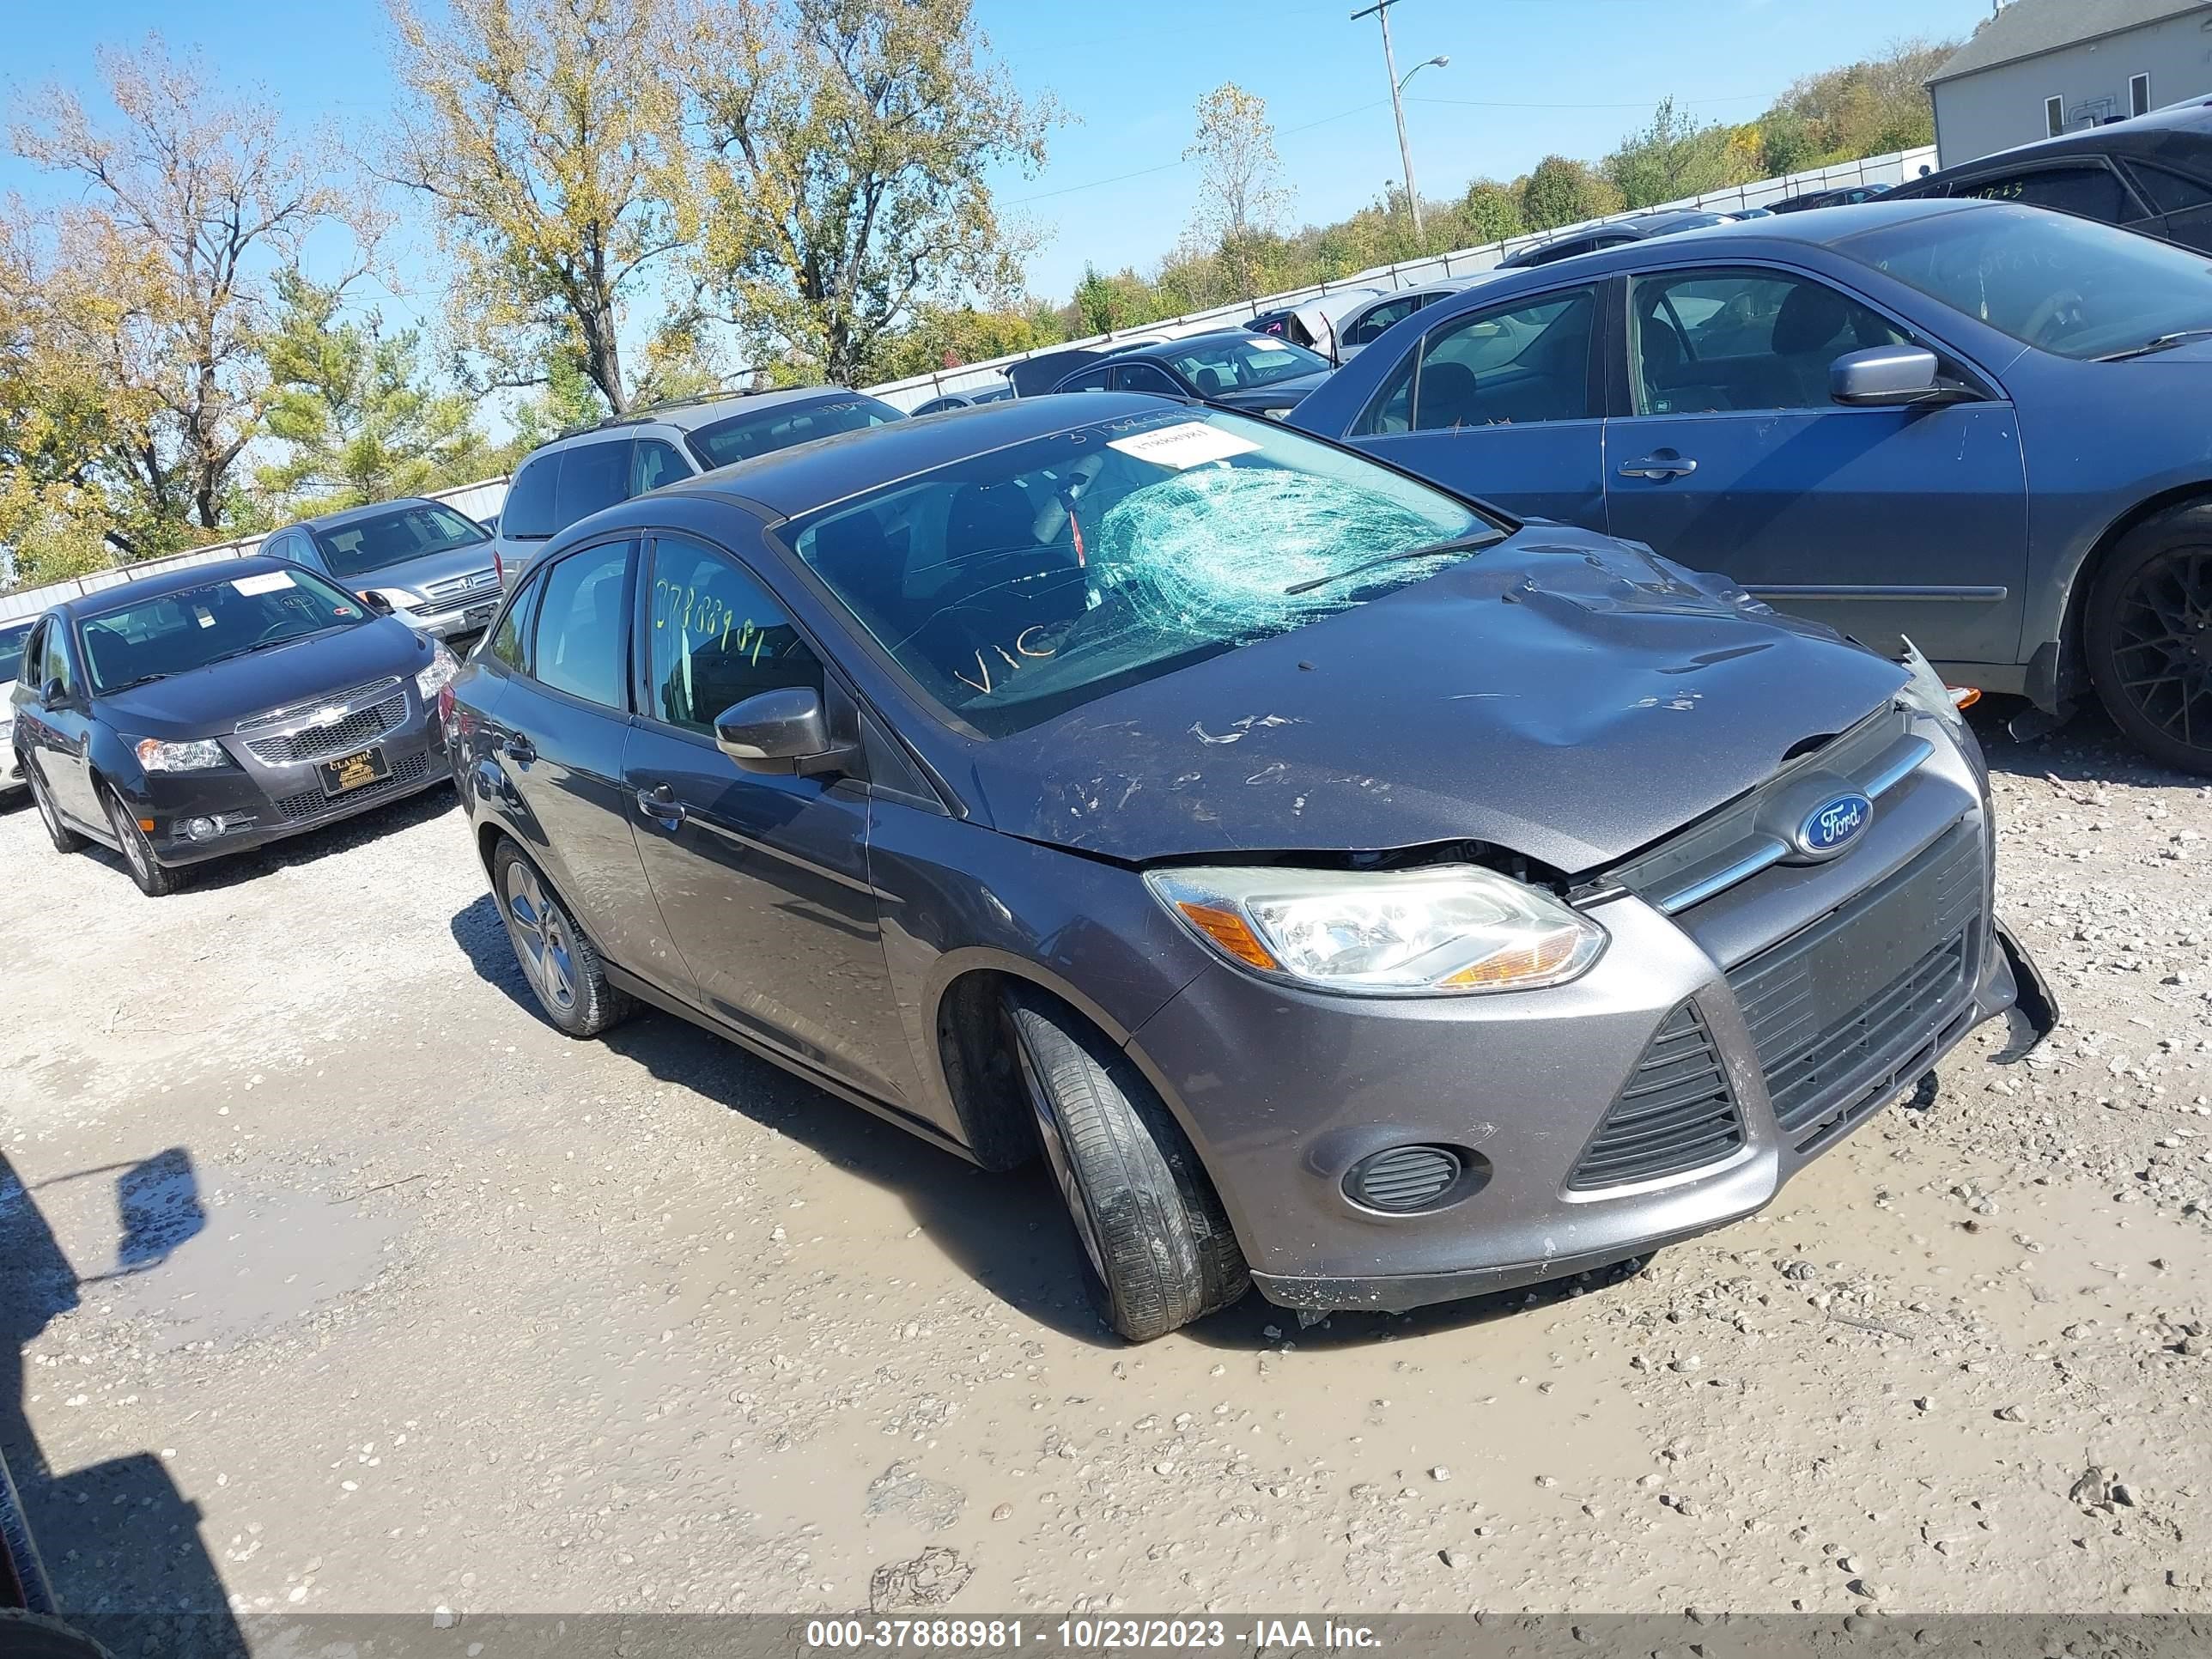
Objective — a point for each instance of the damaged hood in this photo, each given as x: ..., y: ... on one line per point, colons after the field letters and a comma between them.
x: 1561, y: 695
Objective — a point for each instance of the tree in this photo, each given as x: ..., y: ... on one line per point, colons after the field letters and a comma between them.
x: 1563, y: 192
x: 1490, y: 212
x: 1673, y: 158
x: 850, y: 141
x: 1866, y: 108
x: 548, y: 136
x: 353, y: 407
x: 158, y: 273
x: 1240, y: 194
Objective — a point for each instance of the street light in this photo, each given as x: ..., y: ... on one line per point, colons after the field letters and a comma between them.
x: 1381, y: 12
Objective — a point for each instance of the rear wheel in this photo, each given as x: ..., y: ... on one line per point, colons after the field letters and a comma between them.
x: 1157, y: 1249
x: 65, y: 840
x: 154, y: 881
x: 2148, y: 638
x: 564, y: 971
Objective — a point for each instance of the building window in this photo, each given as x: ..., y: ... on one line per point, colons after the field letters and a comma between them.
x: 2054, y: 115
x: 2138, y: 94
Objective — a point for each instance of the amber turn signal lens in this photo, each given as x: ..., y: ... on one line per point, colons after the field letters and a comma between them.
x: 1510, y: 967
x: 1964, y: 697
x: 1231, y: 933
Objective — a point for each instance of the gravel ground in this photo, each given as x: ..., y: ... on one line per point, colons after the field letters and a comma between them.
x: 340, y: 1282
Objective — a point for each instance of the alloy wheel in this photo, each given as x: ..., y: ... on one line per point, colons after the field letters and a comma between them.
x: 54, y: 825
x: 2162, y: 656
x: 132, y: 839
x: 543, y: 938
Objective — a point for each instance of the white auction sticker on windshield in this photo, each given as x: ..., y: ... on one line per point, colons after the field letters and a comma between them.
x: 1186, y: 444
x: 1267, y: 344
x: 269, y: 582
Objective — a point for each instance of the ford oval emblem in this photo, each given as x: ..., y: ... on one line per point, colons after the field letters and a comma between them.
x: 1834, y: 825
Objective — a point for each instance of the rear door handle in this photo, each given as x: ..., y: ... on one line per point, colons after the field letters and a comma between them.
x: 659, y: 804
x: 1661, y: 466
x: 520, y: 749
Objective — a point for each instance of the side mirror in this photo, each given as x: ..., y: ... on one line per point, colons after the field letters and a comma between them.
x: 1882, y: 375
x: 53, y: 695
x: 377, y: 602
x: 784, y: 732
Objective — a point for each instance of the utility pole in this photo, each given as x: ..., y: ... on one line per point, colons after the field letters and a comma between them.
x: 1381, y: 10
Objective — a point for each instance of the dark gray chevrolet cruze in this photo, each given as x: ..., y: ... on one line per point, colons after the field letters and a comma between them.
x: 1348, y: 890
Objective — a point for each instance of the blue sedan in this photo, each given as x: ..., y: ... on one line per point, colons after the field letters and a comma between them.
x: 1976, y: 425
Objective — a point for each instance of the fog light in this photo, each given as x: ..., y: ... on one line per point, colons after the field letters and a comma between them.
x: 203, y: 829
x: 1409, y: 1178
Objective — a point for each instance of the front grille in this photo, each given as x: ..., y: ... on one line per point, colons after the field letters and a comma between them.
x: 1828, y: 1008
x: 342, y: 737
x: 294, y: 711
x: 1676, y: 1113
x: 313, y: 803
x: 453, y: 589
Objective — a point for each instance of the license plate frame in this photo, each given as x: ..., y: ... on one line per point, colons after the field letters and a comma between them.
x: 349, y: 773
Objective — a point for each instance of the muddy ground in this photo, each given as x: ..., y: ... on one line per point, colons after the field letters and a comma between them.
x: 336, y: 1279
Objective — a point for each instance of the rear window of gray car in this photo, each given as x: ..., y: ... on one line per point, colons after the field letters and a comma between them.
x: 741, y: 437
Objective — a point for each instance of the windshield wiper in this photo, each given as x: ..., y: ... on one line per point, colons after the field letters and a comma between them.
x: 1434, y: 549
x: 269, y: 645
x: 2178, y: 336
x: 143, y: 679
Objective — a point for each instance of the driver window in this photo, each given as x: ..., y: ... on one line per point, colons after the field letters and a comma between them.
x: 1520, y: 364
x: 1713, y: 341
x: 717, y: 638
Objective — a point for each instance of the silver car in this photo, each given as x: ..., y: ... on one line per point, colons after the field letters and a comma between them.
x: 432, y: 568
x: 12, y: 635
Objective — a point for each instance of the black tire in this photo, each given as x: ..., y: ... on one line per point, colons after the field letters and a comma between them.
x: 65, y: 840
x: 563, y: 969
x: 154, y: 880
x: 1157, y: 1247
x: 2147, y: 636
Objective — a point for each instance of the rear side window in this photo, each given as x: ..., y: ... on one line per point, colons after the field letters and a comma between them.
x: 2169, y: 192
x: 1523, y: 363
x: 592, y: 477
x: 1088, y: 379
x: 2092, y: 190
x: 582, y: 629
x: 510, y: 643
x: 526, y: 515
x: 653, y: 464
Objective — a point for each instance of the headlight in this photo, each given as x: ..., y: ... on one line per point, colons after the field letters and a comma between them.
x: 203, y: 755
x: 1448, y: 929
x: 399, y: 598
x: 434, y: 679
x: 1926, y: 692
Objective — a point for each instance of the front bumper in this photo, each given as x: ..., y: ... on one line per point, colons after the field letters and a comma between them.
x: 260, y: 802
x: 462, y: 623
x: 1822, y: 993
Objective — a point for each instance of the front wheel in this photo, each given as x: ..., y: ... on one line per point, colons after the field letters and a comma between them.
x: 1157, y: 1249
x: 154, y: 880
x: 2148, y: 637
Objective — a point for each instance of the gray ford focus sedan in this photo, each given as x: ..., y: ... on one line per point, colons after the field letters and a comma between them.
x: 1346, y: 889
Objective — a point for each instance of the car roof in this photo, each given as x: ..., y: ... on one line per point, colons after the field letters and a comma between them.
x: 690, y: 414
x: 2137, y: 132
x: 102, y: 599
x: 788, y: 482
x: 373, y: 510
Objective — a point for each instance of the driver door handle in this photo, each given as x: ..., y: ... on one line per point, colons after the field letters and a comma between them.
x: 520, y: 749
x: 659, y: 804
x: 1664, y: 466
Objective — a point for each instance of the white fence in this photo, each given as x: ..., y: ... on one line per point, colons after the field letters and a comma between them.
x: 1891, y: 169
x: 482, y: 498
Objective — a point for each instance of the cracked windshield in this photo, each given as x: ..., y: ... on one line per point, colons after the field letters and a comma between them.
x: 1031, y: 579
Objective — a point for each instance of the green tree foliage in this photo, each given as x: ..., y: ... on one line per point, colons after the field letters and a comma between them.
x: 1867, y: 108
x: 1240, y: 193
x: 849, y: 145
x: 354, y: 410
x: 1489, y: 212
x: 1561, y: 191
x: 1674, y: 157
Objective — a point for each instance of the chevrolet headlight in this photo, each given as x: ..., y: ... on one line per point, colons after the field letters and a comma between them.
x: 203, y: 755
x: 444, y: 665
x: 1443, y: 930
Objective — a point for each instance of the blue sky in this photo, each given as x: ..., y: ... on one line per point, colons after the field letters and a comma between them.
x: 1527, y: 77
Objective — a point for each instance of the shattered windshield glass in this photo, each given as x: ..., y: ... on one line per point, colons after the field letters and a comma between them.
x: 1017, y: 584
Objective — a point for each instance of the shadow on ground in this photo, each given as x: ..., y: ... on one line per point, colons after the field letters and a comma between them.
x: 121, y: 1545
